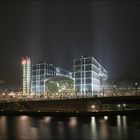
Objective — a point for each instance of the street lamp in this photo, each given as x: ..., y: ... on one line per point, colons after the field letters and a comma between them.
x: 118, y: 105
x: 124, y: 106
x: 93, y: 107
x: 136, y: 85
x: 114, y: 88
x: 103, y: 91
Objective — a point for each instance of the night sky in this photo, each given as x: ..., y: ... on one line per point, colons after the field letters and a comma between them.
x: 58, y: 32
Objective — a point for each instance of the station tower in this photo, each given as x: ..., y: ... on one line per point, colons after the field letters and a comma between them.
x: 26, y: 76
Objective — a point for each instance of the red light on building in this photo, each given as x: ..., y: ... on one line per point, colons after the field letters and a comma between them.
x: 23, y: 62
x: 28, y: 61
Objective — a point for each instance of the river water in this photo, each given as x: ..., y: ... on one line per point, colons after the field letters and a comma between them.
x: 48, y: 127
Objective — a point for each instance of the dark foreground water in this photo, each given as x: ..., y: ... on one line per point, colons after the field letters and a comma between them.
x: 46, y: 127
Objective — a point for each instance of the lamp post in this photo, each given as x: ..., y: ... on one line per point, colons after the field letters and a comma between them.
x: 114, y: 88
x: 93, y: 107
x: 136, y: 85
x: 103, y: 91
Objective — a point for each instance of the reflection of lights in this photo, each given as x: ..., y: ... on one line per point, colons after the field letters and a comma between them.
x: 73, y: 121
x: 93, y: 120
x: 23, y: 117
x: 3, y: 127
x: 118, y: 121
x: 93, y: 126
x: 118, y: 117
x: 119, y: 127
x: 47, y: 119
x: 105, y: 117
x: 124, y: 125
x: 124, y: 122
x: 23, y: 126
x: 34, y: 131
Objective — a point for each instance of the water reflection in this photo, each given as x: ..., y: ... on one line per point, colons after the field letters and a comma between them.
x: 3, y: 127
x: 60, y: 130
x: 73, y: 125
x: 41, y: 128
x: 103, y: 129
x: 93, y: 128
x: 47, y: 119
x: 73, y: 121
x: 11, y: 127
x: 24, y: 128
x: 122, y: 127
x: 119, y: 127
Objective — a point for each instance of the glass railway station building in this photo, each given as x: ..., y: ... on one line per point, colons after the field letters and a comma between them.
x: 41, y: 72
x: 88, y: 76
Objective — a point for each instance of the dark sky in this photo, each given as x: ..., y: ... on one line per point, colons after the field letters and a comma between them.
x: 61, y: 31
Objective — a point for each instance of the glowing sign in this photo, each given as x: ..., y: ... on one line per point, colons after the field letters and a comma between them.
x: 23, y: 62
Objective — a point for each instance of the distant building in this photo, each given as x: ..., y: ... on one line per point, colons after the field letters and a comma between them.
x: 41, y: 72
x: 89, y: 75
x: 26, y: 76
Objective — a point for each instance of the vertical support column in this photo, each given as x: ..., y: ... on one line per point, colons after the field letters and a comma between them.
x: 81, y: 78
x: 92, y: 84
x: 84, y: 77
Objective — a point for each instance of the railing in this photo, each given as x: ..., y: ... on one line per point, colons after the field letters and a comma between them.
x: 37, y: 98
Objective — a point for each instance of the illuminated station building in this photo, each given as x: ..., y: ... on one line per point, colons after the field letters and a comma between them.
x: 41, y: 72
x: 26, y: 76
x: 89, y: 76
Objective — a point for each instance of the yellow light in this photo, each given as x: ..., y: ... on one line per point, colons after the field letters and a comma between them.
x: 119, y: 105
x: 93, y: 106
x: 105, y: 117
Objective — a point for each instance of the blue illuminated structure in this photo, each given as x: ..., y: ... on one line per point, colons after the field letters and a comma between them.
x: 41, y: 72
x: 89, y: 75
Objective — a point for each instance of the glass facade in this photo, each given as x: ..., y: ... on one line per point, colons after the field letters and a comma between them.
x: 88, y: 76
x: 26, y: 76
x: 41, y: 72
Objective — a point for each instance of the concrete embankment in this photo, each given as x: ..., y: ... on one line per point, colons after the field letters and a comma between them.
x: 69, y: 106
